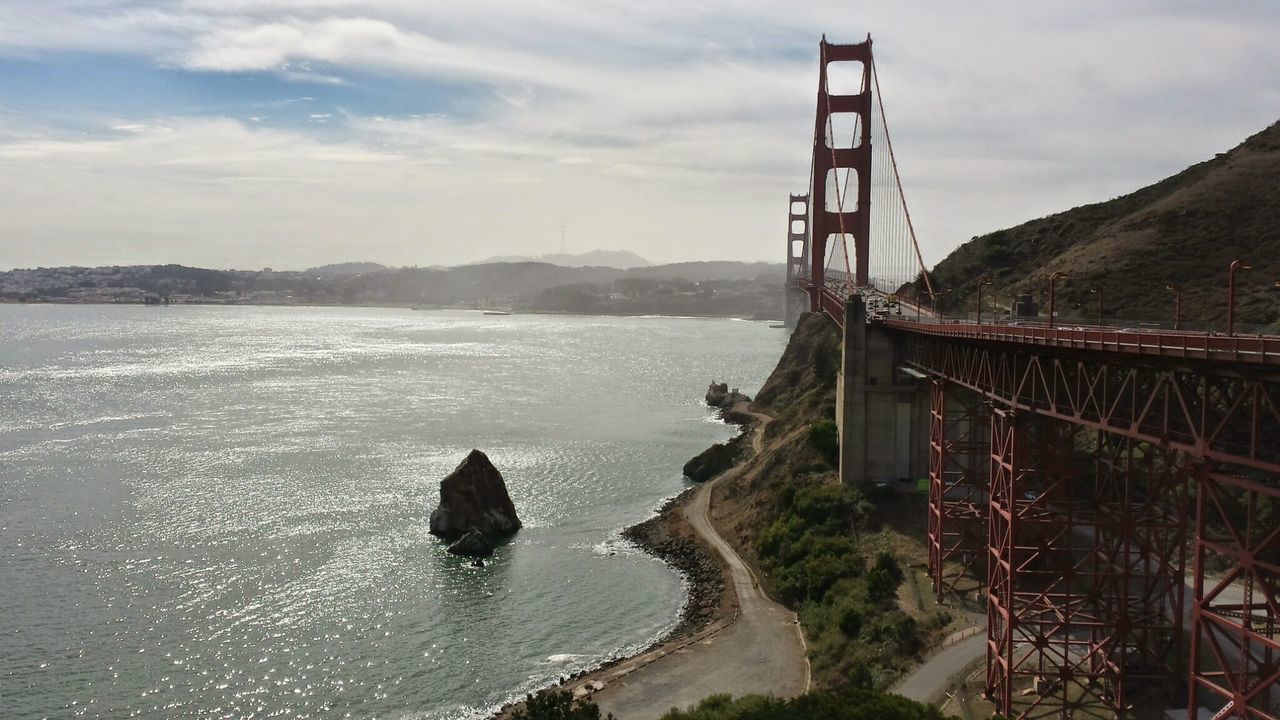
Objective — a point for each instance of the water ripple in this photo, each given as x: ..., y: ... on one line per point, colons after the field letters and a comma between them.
x: 222, y: 512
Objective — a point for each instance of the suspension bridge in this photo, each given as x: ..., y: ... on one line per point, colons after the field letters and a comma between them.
x: 1110, y: 493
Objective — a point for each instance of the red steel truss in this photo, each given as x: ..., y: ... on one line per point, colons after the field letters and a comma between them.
x: 1138, y: 557
x: 1041, y: 614
x: 1085, y: 580
x: 1235, y: 652
x: 958, y: 459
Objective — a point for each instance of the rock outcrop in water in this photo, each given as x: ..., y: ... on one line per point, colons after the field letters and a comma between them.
x: 714, y: 460
x: 719, y: 395
x: 474, y: 497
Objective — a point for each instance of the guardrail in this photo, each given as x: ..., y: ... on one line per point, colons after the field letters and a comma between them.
x: 1251, y: 349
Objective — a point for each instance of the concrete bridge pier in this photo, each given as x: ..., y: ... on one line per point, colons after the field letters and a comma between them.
x: 795, y: 303
x: 882, y: 413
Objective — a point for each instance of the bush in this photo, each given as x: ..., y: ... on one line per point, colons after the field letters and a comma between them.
x: 557, y: 705
x: 849, y: 703
x: 850, y: 621
x: 824, y: 436
x: 884, y: 578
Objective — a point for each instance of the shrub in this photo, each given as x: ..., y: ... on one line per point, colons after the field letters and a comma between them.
x: 824, y: 436
x: 557, y: 705
x: 849, y: 703
x: 850, y: 620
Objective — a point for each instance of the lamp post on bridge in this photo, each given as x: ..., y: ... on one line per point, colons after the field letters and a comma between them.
x: 1177, y: 304
x: 983, y: 281
x: 1098, y: 292
x: 1231, y: 293
x: 1053, y: 282
x: 941, y: 296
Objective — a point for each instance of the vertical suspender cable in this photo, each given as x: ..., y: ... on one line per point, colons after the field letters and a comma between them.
x: 898, y: 178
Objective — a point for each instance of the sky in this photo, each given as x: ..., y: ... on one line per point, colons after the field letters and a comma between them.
x: 293, y: 133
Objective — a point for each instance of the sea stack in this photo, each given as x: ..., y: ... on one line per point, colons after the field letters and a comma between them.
x: 720, y: 395
x: 474, y: 497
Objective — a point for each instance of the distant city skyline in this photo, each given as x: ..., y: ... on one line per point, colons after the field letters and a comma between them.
x: 298, y: 133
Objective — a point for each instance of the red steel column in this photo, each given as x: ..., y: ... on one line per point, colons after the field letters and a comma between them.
x: 1235, y: 648
x: 1043, y: 614
x: 937, y: 490
x: 1138, y: 570
x: 1001, y: 560
x: 959, y: 454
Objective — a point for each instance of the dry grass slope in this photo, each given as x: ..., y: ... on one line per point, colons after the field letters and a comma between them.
x: 1185, y: 229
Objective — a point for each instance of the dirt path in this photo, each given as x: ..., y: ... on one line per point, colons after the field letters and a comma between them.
x: 761, y: 652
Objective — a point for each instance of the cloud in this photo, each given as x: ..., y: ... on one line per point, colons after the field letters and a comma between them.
x: 272, y: 45
x: 676, y: 128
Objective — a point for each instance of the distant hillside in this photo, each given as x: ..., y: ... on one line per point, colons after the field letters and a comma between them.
x: 714, y: 270
x: 705, y: 288
x: 347, y: 268
x: 1185, y: 229
x: 622, y: 259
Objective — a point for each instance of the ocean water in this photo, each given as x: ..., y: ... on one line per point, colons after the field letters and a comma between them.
x: 221, y: 512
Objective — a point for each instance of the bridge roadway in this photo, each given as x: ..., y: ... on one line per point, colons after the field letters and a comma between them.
x: 1243, y: 348
x: 1249, y: 349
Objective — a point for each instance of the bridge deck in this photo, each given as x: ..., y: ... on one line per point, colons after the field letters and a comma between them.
x: 1244, y: 349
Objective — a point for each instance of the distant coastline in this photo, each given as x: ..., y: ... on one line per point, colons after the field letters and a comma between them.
x: 398, y: 306
x: 703, y: 289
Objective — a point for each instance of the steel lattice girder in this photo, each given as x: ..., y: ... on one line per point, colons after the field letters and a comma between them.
x: 1215, y: 415
x: 958, y: 468
x: 1210, y: 411
x: 1049, y: 619
x: 1140, y: 496
x: 1236, y: 641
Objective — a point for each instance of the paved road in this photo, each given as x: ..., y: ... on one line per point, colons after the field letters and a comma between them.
x: 927, y: 682
x: 762, y: 652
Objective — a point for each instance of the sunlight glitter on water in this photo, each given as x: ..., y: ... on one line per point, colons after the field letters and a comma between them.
x: 212, y: 512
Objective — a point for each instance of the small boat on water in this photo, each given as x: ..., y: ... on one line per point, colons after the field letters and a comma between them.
x: 496, y: 312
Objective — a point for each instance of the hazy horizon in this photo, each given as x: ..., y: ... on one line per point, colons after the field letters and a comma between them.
x: 298, y: 133
x: 486, y: 261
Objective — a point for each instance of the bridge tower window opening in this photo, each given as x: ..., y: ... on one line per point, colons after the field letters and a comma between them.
x: 797, y: 249
x: 844, y: 130
x: 846, y: 77
x: 842, y: 194
x: 839, y: 266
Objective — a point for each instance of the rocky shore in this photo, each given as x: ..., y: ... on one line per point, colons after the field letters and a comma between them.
x: 668, y: 537
x: 711, y: 604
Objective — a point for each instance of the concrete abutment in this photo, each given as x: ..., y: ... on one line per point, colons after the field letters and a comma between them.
x: 882, y: 413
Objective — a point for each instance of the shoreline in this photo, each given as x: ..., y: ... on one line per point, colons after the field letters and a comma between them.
x: 711, y: 606
x: 390, y: 306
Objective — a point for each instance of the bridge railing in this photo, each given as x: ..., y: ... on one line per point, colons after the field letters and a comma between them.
x: 1253, y: 349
